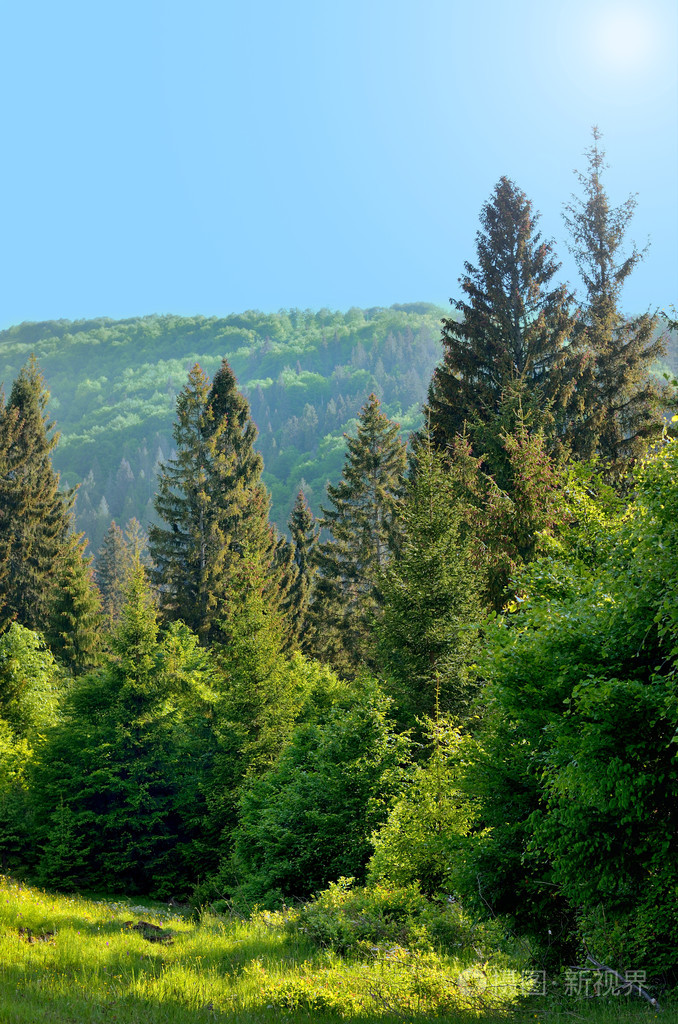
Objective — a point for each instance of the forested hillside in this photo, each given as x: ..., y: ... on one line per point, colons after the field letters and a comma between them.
x: 448, y: 700
x: 114, y: 385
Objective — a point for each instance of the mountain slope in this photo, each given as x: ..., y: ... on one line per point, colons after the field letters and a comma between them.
x: 306, y: 374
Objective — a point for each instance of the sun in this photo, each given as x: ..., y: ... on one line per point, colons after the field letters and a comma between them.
x: 623, y: 37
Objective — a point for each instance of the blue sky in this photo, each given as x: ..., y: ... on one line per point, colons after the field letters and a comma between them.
x: 210, y: 157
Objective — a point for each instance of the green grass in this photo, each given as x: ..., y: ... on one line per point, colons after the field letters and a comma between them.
x: 95, y: 969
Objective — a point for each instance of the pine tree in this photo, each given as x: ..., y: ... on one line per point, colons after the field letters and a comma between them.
x: 248, y: 503
x: 284, y: 572
x: 304, y: 533
x: 362, y: 523
x: 511, y: 496
x: 258, y: 696
x: 36, y: 516
x: 432, y: 598
x: 617, y: 402
x: 515, y: 327
x: 240, y: 465
x: 136, y: 544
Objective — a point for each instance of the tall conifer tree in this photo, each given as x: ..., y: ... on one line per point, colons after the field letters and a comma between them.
x: 246, y: 502
x: 36, y: 514
x: 362, y: 524
x: 8, y: 427
x: 515, y: 328
x: 111, y: 568
x: 304, y: 532
x: 188, y: 544
x: 117, y: 555
x: 73, y: 630
x: 431, y: 597
x: 618, y: 404
x: 211, y: 501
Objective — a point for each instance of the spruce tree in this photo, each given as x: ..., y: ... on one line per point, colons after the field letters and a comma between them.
x: 618, y: 404
x: 124, y: 758
x: 111, y: 569
x: 188, y: 544
x: 211, y: 502
x: 515, y: 328
x: 117, y: 555
x: 136, y: 544
x: 8, y: 467
x: 36, y: 519
x: 73, y: 630
x: 230, y: 419
x: 304, y: 533
x: 362, y: 524
x: 432, y: 598
x: 246, y: 500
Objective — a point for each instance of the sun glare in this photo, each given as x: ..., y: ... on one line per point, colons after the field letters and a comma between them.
x: 623, y: 37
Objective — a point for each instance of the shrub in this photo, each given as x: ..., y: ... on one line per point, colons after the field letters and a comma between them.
x: 364, y: 921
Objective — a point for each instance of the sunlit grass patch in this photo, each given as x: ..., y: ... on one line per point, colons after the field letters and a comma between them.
x: 97, y: 968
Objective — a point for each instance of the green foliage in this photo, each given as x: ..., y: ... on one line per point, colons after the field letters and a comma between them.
x: 424, y: 840
x: 430, y: 592
x: 15, y: 755
x: 74, y: 628
x: 304, y: 534
x: 35, y: 520
x: 309, y: 819
x: 211, y: 503
x: 355, y: 922
x: 511, y: 498
x: 29, y: 682
x: 119, y: 776
x: 115, y: 561
x: 363, y: 527
x: 617, y: 402
x: 514, y: 330
x: 258, y: 695
x: 189, y: 547
x: 578, y: 775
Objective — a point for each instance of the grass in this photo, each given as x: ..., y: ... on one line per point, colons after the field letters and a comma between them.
x: 94, y: 968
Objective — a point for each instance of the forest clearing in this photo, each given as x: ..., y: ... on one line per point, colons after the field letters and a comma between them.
x: 67, y: 959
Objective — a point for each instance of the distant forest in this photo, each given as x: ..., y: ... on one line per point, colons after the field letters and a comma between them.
x: 114, y: 384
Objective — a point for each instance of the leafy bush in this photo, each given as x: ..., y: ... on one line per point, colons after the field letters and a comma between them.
x: 579, y: 772
x: 365, y: 921
x: 424, y: 838
x: 29, y: 682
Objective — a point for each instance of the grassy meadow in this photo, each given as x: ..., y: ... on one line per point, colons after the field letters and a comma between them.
x: 70, y: 959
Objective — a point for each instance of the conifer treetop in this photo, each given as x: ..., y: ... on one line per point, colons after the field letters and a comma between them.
x: 515, y: 324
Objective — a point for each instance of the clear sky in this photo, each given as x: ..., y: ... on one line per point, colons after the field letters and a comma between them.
x: 211, y: 156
